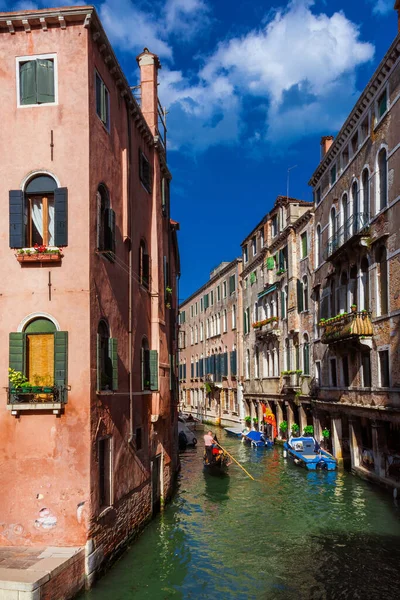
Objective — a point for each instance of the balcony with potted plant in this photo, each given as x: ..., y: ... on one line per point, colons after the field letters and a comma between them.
x: 42, y: 394
x: 266, y: 327
x: 354, y: 325
x: 291, y: 379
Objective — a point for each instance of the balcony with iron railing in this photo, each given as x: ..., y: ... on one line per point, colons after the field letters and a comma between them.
x: 30, y: 397
x: 355, y: 226
x: 266, y: 328
x: 346, y: 327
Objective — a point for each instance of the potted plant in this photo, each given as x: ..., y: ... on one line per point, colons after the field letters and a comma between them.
x: 353, y: 308
x: 17, y: 380
x: 326, y: 434
x: 247, y: 420
x: 283, y: 427
x: 308, y: 430
x: 295, y: 429
x: 255, y: 422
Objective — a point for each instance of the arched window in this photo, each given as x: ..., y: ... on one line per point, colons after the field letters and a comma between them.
x: 196, y: 335
x: 247, y: 364
x: 144, y: 265
x: 265, y: 362
x: 40, y: 353
x: 382, y: 281
x: 365, y: 198
x: 343, y: 301
x: 318, y: 246
x: 256, y: 363
x: 275, y: 359
x: 344, y: 211
x: 225, y: 321
x: 356, y: 208
x: 353, y: 292
x: 306, y: 355
x: 218, y: 323
x: 40, y: 212
x: 382, y: 178
x: 364, y: 285
x: 332, y: 222
x: 234, y: 316
x: 201, y: 331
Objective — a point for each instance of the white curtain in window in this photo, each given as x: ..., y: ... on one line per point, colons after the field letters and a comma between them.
x: 37, y: 216
x: 51, y: 222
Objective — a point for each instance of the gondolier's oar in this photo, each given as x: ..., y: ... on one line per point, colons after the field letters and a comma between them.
x: 236, y: 461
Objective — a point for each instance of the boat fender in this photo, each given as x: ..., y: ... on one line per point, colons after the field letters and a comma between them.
x: 296, y: 460
x: 285, y: 454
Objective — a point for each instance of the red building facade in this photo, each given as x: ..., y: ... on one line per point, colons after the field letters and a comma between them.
x: 90, y: 257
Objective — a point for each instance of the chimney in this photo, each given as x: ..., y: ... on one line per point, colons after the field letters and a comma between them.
x: 149, y: 65
x: 326, y: 143
x: 397, y: 7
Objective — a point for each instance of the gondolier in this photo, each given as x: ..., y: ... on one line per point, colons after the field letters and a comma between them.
x: 208, y: 445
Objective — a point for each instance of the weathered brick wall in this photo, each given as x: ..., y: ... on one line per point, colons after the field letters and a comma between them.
x: 66, y: 584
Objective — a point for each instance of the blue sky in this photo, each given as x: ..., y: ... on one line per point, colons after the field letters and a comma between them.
x: 250, y: 87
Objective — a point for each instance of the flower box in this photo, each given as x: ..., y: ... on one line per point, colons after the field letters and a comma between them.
x: 40, y: 257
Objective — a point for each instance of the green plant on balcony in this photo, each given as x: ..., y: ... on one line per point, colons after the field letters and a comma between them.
x: 255, y: 421
x: 308, y: 430
x: 247, y: 420
x: 326, y: 433
x: 17, y: 379
x: 280, y: 271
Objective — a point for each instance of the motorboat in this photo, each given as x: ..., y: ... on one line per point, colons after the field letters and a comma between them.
x: 257, y: 439
x: 306, y: 452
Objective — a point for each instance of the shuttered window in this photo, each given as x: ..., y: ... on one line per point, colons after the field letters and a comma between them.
x: 37, y: 81
x: 232, y: 284
x: 38, y: 216
x: 304, y: 245
x: 300, y: 302
x: 270, y: 262
x: 42, y: 356
x: 233, y: 363
x: 107, y: 360
x: 206, y: 302
x: 145, y: 171
x: 102, y: 102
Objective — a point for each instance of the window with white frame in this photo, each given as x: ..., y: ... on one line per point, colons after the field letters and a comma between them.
x: 381, y: 105
x: 37, y: 80
x: 262, y: 241
x: 201, y: 331
x: 224, y: 287
x: 225, y: 321
x: 254, y: 245
x: 247, y: 364
x: 256, y: 363
x: 234, y: 316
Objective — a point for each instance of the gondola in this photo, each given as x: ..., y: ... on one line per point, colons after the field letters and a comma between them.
x: 219, y: 462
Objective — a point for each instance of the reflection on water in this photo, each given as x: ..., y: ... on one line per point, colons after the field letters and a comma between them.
x: 291, y: 534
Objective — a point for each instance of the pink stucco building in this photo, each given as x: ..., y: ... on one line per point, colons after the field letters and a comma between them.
x: 88, y: 306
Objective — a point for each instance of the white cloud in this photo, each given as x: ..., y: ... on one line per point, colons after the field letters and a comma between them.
x: 129, y: 28
x: 382, y: 7
x: 302, y: 63
x: 186, y: 17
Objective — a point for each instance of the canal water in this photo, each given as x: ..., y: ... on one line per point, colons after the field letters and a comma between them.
x: 290, y: 534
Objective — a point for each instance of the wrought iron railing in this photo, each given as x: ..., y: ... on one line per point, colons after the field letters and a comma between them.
x: 346, y: 326
x: 37, y: 395
x: 354, y: 225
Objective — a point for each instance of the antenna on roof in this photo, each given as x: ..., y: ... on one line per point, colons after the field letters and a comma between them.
x: 287, y: 182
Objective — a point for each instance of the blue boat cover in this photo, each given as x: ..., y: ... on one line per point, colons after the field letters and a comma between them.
x: 255, y: 436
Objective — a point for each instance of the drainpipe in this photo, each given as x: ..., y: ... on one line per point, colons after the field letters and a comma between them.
x: 130, y: 287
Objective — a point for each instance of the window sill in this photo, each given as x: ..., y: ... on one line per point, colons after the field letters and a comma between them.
x: 55, y: 407
x: 41, y: 257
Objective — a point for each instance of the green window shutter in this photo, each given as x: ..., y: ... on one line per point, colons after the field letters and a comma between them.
x: 153, y: 370
x: 253, y: 277
x: 206, y: 300
x: 113, y: 356
x: 300, y: 303
x: 45, y: 80
x: 304, y: 245
x: 232, y: 283
x: 61, y: 216
x: 306, y: 357
x: 17, y: 352
x: 16, y: 216
x: 61, y: 361
x: 270, y: 263
x: 98, y: 363
x: 27, y: 82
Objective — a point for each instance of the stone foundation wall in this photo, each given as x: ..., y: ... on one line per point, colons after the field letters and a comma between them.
x: 67, y: 583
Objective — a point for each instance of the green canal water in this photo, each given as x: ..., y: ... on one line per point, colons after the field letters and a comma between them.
x: 288, y: 535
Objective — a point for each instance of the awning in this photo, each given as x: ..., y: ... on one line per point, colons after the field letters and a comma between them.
x: 271, y: 288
